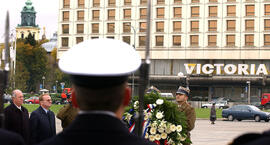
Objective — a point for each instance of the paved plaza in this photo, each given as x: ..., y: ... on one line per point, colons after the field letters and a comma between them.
x: 219, y: 134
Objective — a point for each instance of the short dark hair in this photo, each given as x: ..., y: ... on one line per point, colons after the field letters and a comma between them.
x: 106, y: 99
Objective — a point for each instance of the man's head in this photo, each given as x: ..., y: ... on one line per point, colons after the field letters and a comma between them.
x: 182, y: 94
x: 17, y: 97
x: 45, y: 101
x: 99, y: 70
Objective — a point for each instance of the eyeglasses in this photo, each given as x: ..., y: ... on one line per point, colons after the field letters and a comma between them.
x: 49, y: 100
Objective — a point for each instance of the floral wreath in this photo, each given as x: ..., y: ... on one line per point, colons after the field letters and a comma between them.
x: 163, y: 123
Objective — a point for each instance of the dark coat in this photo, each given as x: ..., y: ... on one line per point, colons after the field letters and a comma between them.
x: 10, y: 138
x: 96, y: 129
x: 42, y: 125
x: 213, y: 116
x: 17, y: 120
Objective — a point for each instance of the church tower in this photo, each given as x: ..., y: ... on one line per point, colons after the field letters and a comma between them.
x: 28, y: 22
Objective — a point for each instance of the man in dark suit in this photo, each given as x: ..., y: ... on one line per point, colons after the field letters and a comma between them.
x: 10, y: 138
x: 99, y: 70
x: 42, y: 120
x: 17, y: 117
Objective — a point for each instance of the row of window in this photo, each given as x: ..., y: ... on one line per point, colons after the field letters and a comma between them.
x: 177, y: 26
x: 160, y: 12
x: 81, y: 3
x: 194, y: 40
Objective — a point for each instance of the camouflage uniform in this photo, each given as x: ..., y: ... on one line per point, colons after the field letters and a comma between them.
x: 190, y: 114
x: 67, y: 114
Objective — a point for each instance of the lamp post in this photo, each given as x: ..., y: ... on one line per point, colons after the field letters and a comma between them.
x: 56, y: 86
x: 43, y: 78
x: 248, y: 91
x: 181, y: 75
x: 134, y: 45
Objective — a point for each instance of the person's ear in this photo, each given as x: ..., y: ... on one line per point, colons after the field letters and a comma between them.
x: 73, y: 99
x: 127, y: 96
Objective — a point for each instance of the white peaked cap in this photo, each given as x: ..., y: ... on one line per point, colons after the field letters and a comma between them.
x: 100, y: 57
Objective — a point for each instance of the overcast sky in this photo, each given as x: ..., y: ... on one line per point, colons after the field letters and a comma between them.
x: 46, y: 16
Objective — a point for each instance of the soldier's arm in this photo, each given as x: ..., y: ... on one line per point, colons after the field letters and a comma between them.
x: 191, y: 117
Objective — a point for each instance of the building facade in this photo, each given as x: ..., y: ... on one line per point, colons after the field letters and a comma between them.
x: 221, y: 46
x: 28, y: 22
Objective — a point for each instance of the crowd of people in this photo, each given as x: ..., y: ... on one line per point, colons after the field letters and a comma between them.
x: 99, y: 71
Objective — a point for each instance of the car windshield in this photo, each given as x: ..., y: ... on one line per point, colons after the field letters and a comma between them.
x: 254, y: 108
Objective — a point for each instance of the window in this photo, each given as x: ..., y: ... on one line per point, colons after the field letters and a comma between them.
x: 159, y: 40
x: 143, y: 13
x: 65, y: 28
x: 177, y: 25
x: 143, y: 26
x: 159, y: 26
x: 177, y: 1
x: 212, y: 25
x: 160, y: 12
x: 111, y: 14
x: 66, y: 4
x: 212, y: 40
x: 250, y: 10
x: 94, y: 37
x: 96, y: 3
x: 266, y: 24
x: 95, y: 15
x: 79, y: 39
x: 126, y: 39
x: 95, y: 28
x: 249, y: 40
x: 211, y: 1
x: 194, y: 40
x: 110, y: 37
x: 230, y: 39
x: 80, y: 3
x: 160, y: 1
x: 194, y: 26
x: 110, y: 27
x: 267, y: 39
x: 127, y: 13
x: 231, y: 10
x: 230, y: 0
x: 177, y: 12
x: 66, y: 16
x: 80, y: 28
x: 64, y: 41
x: 267, y: 9
x: 111, y: 2
x: 195, y: 1
x: 249, y: 25
x: 195, y: 11
x: 143, y: 2
x: 142, y: 40
x: 212, y: 11
x: 127, y: 2
x: 230, y: 25
x: 126, y: 27
x: 80, y: 15
x: 177, y: 40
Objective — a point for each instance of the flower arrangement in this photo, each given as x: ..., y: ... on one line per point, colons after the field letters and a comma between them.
x: 163, y: 123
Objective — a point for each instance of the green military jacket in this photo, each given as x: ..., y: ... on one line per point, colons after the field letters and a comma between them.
x: 190, y: 114
x: 67, y: 114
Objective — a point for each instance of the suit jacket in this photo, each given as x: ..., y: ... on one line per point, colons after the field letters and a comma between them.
x: 96, y: 129
x: 10, y: 138
x: 42, y: 125
x: 17, y: 120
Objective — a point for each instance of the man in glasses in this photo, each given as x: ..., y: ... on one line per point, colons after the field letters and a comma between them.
x: 42, y: 120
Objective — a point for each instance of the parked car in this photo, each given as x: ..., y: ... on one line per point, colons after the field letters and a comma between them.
x: 219, y: 104
x: 245, y: 112
x: 32, y: 100
x: 7, y: 98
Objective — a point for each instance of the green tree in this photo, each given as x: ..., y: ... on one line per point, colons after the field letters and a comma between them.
x: 30, y: 40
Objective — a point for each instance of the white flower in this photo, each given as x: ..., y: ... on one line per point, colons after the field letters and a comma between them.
x: 159, y: 115
x: 146, y: 117
x: 178, y: 128
x: 172, y: 128
x: 157, y: 136
x: 153, y: 130
x: 159, y: 101
x: 155, y: 105
x: 163, y: 135
x: 182, y: 138
x: 136, y: 105
x: 160, y: 129
x: 154, y: 124
x: 168, y: 130
x: 152, y: 138
x: 146, y: 135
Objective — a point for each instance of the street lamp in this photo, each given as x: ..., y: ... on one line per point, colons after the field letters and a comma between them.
x: 181, y: 75
x: 56, y: 86
x: 248, y: 91
x: 43, y: 78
